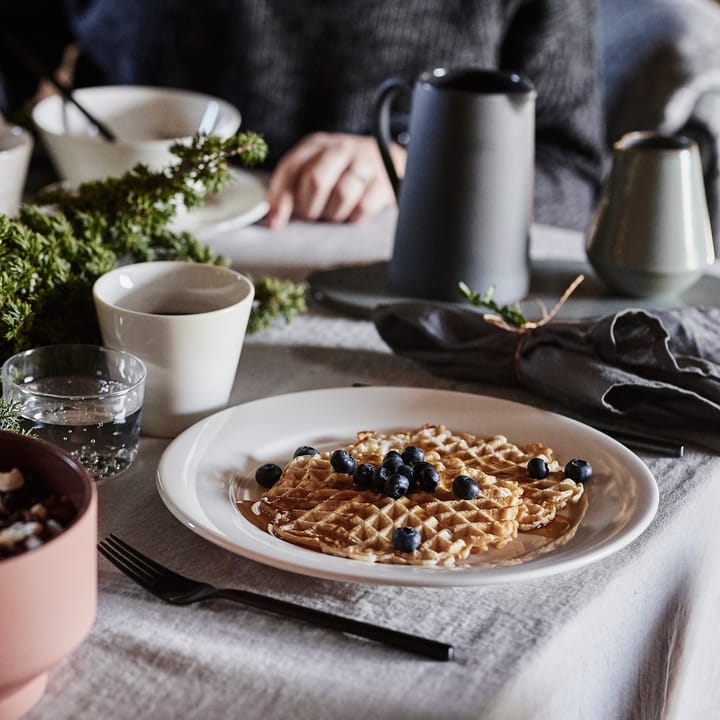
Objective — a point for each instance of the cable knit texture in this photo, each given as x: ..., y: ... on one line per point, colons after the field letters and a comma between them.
x: 297, y: 67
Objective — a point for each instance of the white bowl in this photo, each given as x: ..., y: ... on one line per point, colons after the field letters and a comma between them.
x: 16, y: 147
x: 145, y: 120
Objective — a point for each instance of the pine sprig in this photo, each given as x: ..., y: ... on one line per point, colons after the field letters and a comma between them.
x: 510, y: 313
x: 10, y: 417
x: 275, y: 298
x: 51, y: 255
x: 132, y: 213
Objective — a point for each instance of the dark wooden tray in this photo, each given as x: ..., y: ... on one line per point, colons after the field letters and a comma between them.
x: 357, y: 289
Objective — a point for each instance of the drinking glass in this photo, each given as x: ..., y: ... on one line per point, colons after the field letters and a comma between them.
x: 85, y: 398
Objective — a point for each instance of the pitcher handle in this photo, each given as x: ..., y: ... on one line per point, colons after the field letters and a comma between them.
x: 386, y: 94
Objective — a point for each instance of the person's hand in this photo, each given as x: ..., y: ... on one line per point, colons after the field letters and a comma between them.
x: 331, y: 176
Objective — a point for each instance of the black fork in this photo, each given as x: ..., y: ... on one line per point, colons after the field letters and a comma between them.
x: 180, y: 590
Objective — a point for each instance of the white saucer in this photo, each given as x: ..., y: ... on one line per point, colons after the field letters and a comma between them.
x: 243, y: 202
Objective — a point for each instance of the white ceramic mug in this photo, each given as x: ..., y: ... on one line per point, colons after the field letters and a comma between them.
x: 16, y: 147
x: 187, y: 322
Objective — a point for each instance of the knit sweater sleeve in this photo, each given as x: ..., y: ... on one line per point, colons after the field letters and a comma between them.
x: 555, y: 44
x: 297, y: 68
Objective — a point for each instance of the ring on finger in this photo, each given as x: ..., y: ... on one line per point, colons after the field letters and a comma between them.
x: 359, y: 174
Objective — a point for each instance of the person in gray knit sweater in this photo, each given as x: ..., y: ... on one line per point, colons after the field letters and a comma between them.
x: 304, y: 75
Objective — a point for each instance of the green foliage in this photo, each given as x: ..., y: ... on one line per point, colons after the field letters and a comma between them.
x: 10, y: 417
x: 511, y: 314
x: 275, y: 298
x: 51, y: 255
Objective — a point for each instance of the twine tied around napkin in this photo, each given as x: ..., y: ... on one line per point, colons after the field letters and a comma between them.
x: 632, y: 370
x: 527, y: 326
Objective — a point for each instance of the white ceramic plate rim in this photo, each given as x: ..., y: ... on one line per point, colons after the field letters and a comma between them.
x: 242, y: 202
x: 199, y: 471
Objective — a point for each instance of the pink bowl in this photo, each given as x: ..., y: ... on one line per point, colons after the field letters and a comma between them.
x: 49, y: 594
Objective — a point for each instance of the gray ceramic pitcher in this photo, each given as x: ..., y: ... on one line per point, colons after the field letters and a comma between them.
x: 465, y: 202
x: 650, y: 234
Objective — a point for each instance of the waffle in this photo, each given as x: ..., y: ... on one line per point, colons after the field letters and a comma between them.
x: 316, y: 507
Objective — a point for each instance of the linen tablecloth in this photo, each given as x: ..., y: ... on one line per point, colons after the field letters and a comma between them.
x: 632, y: 636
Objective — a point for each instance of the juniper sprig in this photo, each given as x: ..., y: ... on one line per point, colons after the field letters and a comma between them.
x: 511, y: 314
x: 10, y: 417
x: 53, y: 252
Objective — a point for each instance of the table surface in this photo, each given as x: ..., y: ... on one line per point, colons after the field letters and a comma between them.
x: 631, y: 636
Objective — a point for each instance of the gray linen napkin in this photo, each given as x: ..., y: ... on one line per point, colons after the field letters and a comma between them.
x: 635, y: 370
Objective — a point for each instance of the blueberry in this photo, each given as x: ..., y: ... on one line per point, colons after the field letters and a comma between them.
x: 392, y: 460
x: 578, y: 470
x: 305, y: 450
x: 268, y: 474
x: 465, y: 487
x: 537, y: 468
x: 396, y: 486
x: 412, y: 455
x: 406, y: 539
x: 363, y: 475
x: 342, y: 462
x: 408, y: 472
x: 380, y: 477
x: 427, y: 476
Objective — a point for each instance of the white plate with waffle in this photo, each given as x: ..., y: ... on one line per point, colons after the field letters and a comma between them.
x: 211, y: 465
